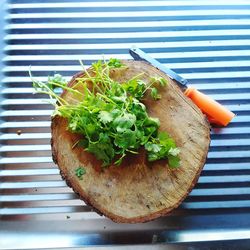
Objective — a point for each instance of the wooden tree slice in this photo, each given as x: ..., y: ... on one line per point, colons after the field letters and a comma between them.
x: 138, y: 191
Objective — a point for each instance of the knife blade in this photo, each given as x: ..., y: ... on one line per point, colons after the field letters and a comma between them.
x: 138, y: 54
x: 215, y: 112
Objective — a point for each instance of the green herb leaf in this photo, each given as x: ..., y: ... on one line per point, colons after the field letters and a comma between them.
x: 105, y: 117
x: 56, y: 81
x: 155, y: 94
x: 159, y: 80
x: 174, y: 151
x: 149, y: 146
x: 126, y: 140
x: 102, y: 149
x: 173, y: 161
x: 122, y: 123
x: 114, y: 63
x: 79, y: 172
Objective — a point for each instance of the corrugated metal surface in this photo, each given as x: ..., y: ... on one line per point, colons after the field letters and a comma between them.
x: 208, y: 42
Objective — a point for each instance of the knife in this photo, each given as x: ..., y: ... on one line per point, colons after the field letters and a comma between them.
x: 215, y: 112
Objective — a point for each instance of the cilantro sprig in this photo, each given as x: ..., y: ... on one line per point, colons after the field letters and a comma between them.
x: 79, y: 172
x: 111, y: 116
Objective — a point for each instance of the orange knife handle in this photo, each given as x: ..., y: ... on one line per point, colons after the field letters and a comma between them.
x: 215, y: 112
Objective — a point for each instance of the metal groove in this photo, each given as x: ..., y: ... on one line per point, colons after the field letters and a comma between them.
x: 118, y: 13
x: 122, y: 4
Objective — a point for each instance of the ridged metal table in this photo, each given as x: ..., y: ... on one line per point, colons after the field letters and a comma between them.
x: 207, y: 42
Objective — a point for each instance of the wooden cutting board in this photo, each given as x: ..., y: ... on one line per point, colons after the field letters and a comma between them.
x: 138, y: 191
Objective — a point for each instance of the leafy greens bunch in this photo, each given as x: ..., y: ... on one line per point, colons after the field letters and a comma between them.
x: 110, y: 115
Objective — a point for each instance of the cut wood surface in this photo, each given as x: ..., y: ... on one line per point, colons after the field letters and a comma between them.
x: 138, y: 191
